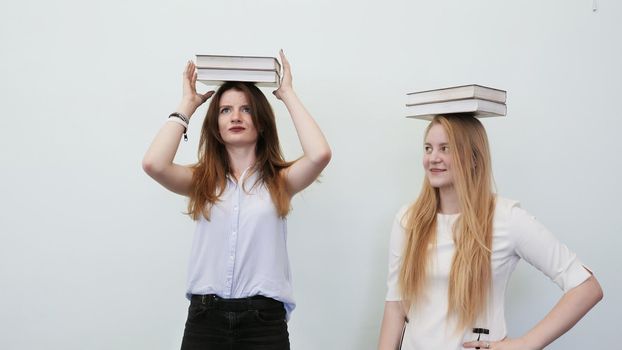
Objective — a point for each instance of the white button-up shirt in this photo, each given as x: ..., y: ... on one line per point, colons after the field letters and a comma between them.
x: 242, y: 250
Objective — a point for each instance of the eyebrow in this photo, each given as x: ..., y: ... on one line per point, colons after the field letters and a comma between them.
x: 440, y: 144
x: 222, y: 106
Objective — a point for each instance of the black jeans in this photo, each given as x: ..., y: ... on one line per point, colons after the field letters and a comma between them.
x: 255, y: 323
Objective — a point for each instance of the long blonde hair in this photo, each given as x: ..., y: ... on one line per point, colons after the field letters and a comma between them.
x: 470, y: 276
x: 209, y: 174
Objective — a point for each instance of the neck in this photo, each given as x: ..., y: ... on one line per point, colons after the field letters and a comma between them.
x: 240, y: 159
x: 448, y: 200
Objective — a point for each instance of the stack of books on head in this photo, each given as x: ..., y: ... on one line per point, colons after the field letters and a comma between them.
x: 475, y: 100
x: 216, y: 69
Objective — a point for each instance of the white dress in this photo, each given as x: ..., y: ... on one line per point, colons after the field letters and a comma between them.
x: 516, y: 235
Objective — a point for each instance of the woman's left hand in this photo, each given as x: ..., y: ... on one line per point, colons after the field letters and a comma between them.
x: 505, y: 344
x: 286, y: 78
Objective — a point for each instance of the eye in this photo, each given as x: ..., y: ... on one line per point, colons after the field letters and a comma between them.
x: 246, y: 109
x: 445, y: 149
x: 427, y: 149
x: 225, y: 110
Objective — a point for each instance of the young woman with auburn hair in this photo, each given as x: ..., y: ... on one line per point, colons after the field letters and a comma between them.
x: 453, y: 250
x: 239, y: 281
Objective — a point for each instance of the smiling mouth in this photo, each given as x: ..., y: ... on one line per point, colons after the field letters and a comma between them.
x: 437, y: 170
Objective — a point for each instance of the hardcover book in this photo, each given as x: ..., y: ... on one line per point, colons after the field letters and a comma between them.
x: 213, y: 76
x: 472, y: 106
x: 456, y: 93
x: 238, y: 62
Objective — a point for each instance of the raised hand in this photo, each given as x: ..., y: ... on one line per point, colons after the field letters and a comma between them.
x: 286, y: 79
x: 190, y: 97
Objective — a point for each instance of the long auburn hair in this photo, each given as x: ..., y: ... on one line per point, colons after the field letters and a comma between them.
x: 210, y: 173
x: 470, y: 276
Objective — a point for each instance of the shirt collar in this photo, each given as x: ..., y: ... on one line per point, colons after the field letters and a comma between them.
x: 248, y: 173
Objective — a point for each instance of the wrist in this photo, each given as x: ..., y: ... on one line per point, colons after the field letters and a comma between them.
x: 186, y: 108
x: 182, y: 120
x: 286, y: 93
x: 526, y: 342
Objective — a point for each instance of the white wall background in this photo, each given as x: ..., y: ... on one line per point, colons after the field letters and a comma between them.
x: 93, y: 253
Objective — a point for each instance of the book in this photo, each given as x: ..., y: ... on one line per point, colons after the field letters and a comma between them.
x: 238, y: 62
x: 456, y: 93
x: 213, y: 76
x: 473, y: 106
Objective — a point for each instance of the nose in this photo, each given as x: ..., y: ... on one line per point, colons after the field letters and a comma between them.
x: 434, y: 157
x: 236, y: 116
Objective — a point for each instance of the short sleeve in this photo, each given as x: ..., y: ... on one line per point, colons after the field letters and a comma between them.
x: 396, y: 247
x: 537, y: 245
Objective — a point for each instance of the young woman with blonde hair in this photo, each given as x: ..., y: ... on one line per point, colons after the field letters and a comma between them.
x: 239, y: 281
x: 453, y: 250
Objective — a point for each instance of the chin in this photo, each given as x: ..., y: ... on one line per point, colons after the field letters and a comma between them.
x: 239, y: 142
x: 439, y: 184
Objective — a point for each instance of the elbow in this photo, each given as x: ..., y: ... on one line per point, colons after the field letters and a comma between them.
x: 151, y: 167
x: 322, y: 158
x: 594, y: 292
x: 598, y: 291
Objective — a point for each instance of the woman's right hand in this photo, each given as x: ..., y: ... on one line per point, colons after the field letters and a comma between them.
x: 191, y: 99
x: 504, y: 344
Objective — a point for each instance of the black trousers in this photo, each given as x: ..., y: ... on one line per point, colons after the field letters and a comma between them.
x: 256, y: 323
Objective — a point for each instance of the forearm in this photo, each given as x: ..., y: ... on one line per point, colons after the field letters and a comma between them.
x: 392, y: 325
x: 312, y: 140
x: 163, y: 148
x: 566, y: 313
